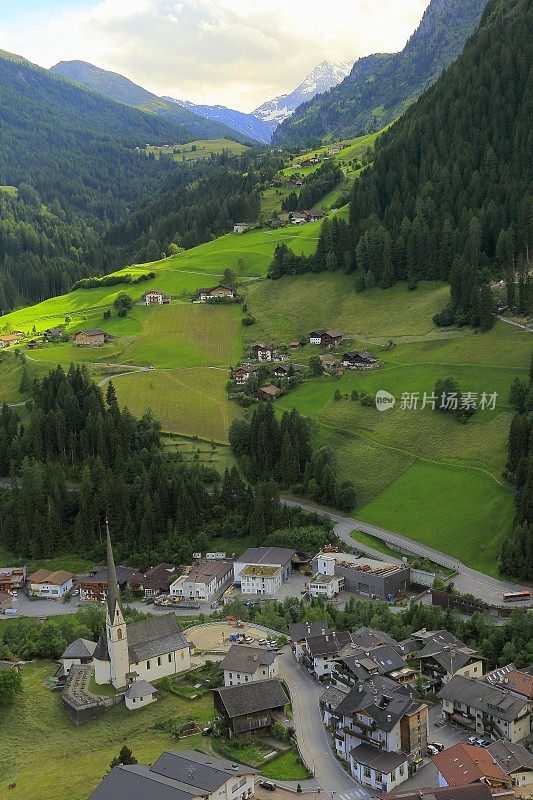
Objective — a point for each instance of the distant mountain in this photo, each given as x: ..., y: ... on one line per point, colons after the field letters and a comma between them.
x: 323, y: 77
x: 122, y: 90
x: 245, y: 124
x: 381, y: 86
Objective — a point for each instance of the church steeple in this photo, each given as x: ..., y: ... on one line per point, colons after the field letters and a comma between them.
x: 113, y: 592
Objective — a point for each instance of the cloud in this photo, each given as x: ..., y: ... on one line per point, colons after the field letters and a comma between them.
x: 235, y: 52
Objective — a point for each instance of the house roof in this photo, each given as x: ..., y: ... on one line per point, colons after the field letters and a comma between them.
x: 267, y: 555
x: 462, y: 764
x: 273, y: 391
x: 332, y: 697
x: 80, y: 648
x: 482, y: 696
x: 124, y: 575
x: 334, y: 334
x: 303, y: 630
x: 154, y: 636
x: 383, y: 657
x: 157, y: 577
x: 515, y: 680
x: 140, y: 689
x: 248, y: 698
x: 446, y: 650
x: 54, y: 578
x: 477, y: 792
x: 511, y: 757
x: 370, y: 637
x: 92, y: 332
x: 207, y: 571
x: 199, y: 771
x: 329, y: 644
x: 361, y: 355
x: 241, y: 658
x: 382, y: 699
x: 138, y: 781
x: 377, y: 759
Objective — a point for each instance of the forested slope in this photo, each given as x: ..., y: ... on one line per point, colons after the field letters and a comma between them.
x: 381, y: 86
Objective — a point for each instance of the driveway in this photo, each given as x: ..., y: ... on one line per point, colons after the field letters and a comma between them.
x: 467, y: 581
x: 313, y: 741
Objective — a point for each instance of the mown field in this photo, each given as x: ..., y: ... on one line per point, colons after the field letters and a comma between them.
x: 199, y: 149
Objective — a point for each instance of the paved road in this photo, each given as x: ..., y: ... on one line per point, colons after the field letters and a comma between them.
x: 467, y: 580
x: 313, y: 741
x: 526, y: 328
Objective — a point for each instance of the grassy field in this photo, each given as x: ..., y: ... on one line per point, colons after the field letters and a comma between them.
x: 199, y: 149
x: 42, y: 745
x: 286, y: 767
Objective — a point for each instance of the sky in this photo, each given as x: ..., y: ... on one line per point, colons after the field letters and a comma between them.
x: 237, y: 53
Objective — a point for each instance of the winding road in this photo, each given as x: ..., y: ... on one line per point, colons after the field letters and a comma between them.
x: 313, y: 741
x: 467, y: 580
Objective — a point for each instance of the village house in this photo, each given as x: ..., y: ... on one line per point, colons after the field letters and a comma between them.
x: 215, y: 293
x: 297, y: 220
x: 49, y: 583
x: 327, y: 339
x: 145, y: 650
x: 378, y: 769
x: 319, y: 652
x: 441, y: 655
x: 314, y: 216
x: 12, y: 578
x: 242, y: 374
x: 268, y: 393
x: 250, y: 707
x: 517, y: 682
x: 92, y: 337
x: 8, y: 339
x: 80, y: 651
x: 262, y: 570
x: 358, y: 360
x: 182, y: 775
x: 50, y: 333
x: 299, y: 632
x: 243, y: 664
x: 154, y: 581
x: 515, y: 760
x: 286, y: 372
x: 465, y: 764
x: 93, y: 588
x: 486, y: 710
x: 241, y: 227
x: 474, y: 792
x: 155, y: 297
x: 202, y: 582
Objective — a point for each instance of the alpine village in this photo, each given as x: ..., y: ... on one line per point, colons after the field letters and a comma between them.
x: 266, y: 400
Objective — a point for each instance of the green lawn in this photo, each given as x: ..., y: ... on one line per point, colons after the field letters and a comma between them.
x: 286, y: 767
x: 50, y: 758
x: 199, y: 149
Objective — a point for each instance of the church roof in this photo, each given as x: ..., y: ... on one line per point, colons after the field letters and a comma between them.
x: 113, y: 592
x: 154, y: 636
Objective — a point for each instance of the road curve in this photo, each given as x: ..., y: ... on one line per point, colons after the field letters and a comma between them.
x: 467, y: 580
x: 313, y: 741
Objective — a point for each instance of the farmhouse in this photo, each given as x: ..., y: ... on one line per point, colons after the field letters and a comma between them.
x: 285, y: 372
x: 215, y: 293
x: 328, y: 339
x: 314, y: 216
x: 298, y: 220
x: 267, y: 393
x: 12, y: 578
x: 203, y: 581
x: 154, y: 581
x: 145, y: 650
x: 485, y: 709
x: 8, y: 339
x: 93, y: 588
x: 251, y: 707
x: 92, y: 337
x: 262, y: 570
x: 48, y: 583
x: 80, y: 651
x: 358, y: 360
x: 464, y: 764
x: 155, y: 297
x: 243, y: 664
x: 242, y: 374
x: 183, y: 775
x: 241, y: 227
x: 265, y: 352
x: 49, y: 333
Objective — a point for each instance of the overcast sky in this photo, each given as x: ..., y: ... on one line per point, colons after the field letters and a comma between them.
x: 235, y: 52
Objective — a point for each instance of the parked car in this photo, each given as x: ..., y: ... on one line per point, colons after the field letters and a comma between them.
x: 483, y: 742
x: 440, y: 747
x: 270, y: 787
x: 472, y: 739
x: 432, y: 750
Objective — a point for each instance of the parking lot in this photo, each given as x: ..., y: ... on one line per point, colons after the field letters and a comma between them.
x: 214, y: 637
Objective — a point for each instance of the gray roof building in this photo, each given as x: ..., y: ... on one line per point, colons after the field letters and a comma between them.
x: 382, y: 699
x: 511, y: 757
x: 267, y: 555
x: 80, y: 648
x: 478, y: 791
x: 148, y: 638
x: 375, y: 758
x: 241, y: 658
x: 483, y: 697
x: 249, y: 698
x: 140, y: 688
x: 328, y: 645
x: 298, y: 631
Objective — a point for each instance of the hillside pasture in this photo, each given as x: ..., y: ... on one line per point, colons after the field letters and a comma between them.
x: 198, y: 150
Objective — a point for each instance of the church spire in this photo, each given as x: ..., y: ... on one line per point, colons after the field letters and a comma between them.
x: 113, y: 593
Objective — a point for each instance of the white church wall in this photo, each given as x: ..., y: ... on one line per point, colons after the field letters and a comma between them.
x: 166, y: 664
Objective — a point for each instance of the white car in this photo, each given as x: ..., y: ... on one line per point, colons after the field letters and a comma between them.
x: 472, y: 739
x: 432, y: 750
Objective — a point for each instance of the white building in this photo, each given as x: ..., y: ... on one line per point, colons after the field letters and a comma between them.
x: 377, y: 768
x: 150, y: 649
x: 244, y: 664
x: 80, y: 651
x: 203, y: 581
x: 262, y: 570
x: 139, y: 694
x: 325, y: 583
x: 153, y: 297
x: 48, y: 583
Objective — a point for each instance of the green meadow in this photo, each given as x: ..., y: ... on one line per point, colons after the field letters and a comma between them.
x: 199, y: 149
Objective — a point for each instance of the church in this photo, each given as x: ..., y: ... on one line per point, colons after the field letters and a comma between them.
x: 140, y: 651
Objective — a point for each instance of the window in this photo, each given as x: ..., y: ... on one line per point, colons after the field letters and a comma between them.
x: 401, y: 769
x: 169, y: 657
x: 147, y: 665
x: 159, y: 661
x: 119, y: 634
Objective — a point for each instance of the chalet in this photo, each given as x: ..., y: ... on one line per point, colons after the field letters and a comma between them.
x: 285, y: 372
x: 182, y: 775
x: 242, y: 374
x: 12, y: 578
x: 319, y: 652
x: 358, y: 360
x: 222, y: 291
x: 8, y: 339
x: 485, y: 709
x: 474, y: 792
x: 268, y: 393
x: 93, y: 588
x: 18, y: 334
x: 153, y: 297
x: 334, y: 149
x: 515, y: 760
x: 203, y: 581
x: 464, y: 764
x: 154, y: 581
x: 298, y: 220
x: 265, y: 352
x: 314, y: 216
x: 243, y: 664
x: 250, y: 707
x: 441, y: 655
x: 329, y: 363
x: 328, y: 339
x: 299, y: 632
x: 48, y: 583
x: 241, y: 227
x: 50, y: 333
x: 92, y: 337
